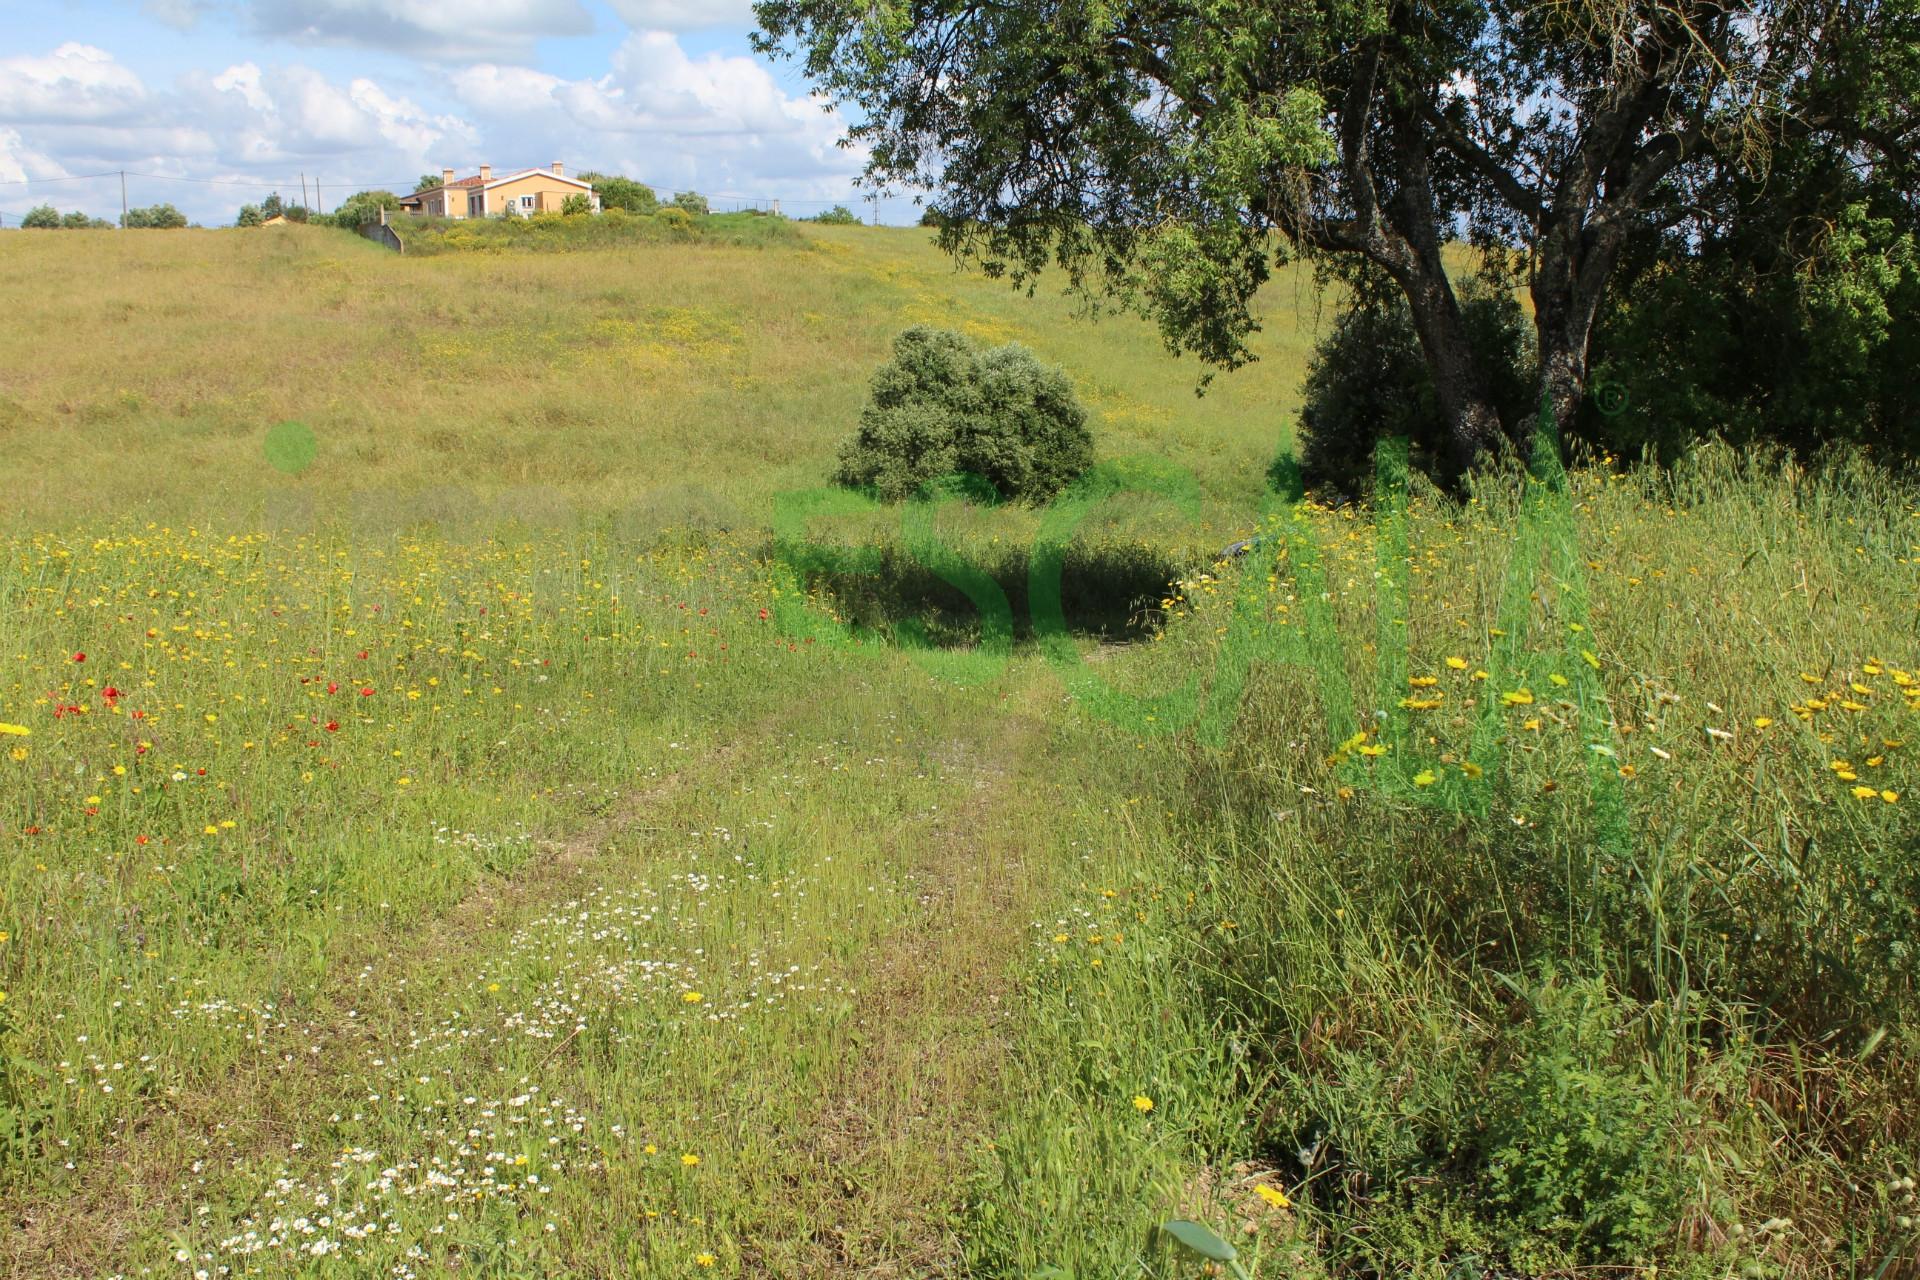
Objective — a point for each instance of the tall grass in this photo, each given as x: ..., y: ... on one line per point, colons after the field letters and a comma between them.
x: 1503, y: 1044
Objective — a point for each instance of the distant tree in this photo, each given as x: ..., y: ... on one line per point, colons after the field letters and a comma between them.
x: 78, y: 221
x: 296, y: 212
x: 272, y: 207
x: 163, y: 217
x: 692, y: 202
x: 362, y: 207
x: 838, y: 216
x: 577, y: 203
x: 616, y: 192
x: 42, y: 218
x: 427, y: 182
x: 249, y: 216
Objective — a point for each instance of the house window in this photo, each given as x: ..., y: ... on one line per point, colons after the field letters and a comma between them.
x: 526, y: 202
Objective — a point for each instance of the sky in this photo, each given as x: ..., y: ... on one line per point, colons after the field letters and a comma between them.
x: 210, y: 104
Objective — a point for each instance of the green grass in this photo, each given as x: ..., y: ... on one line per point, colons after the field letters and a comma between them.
x: 297, y: 979
x: 555, y: 233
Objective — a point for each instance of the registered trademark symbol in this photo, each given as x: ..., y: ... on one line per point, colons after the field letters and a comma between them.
x: 1609, y: 397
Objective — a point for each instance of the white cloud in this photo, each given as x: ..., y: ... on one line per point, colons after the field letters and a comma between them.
x: 76, y: 82
x: 79, y: 110
x: 443, y: 29
x: 684, y: 15
x: 717, y: 122
x: 20, y: 162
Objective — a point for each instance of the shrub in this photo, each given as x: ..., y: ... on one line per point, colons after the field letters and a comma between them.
x: 160, y: 217
x: 838, y: 216
x: 249, y: 216
x: 1367, y: 380
x: 42, y: 218
x: 1578, y: 1139
x: 943, y: 405
x: 616, y: 192
x: 576, y: 204
x: 691, y: 202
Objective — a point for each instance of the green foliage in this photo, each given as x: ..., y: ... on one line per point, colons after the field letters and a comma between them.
x: 362, y: 207
x: 1169, y: 155
x: 1578, y: 1143
x: 249, y: 216
x: 838, y: 216
x: 273, y: 206
x: 1796, y: 321
x: 942, y: 405
x: 576, y: 205
x: 556, y: 233
x: 427, y: 182
x: 616, y: 192
x: 156, y: 217
x: 1369, y: 381
x: 691, y: 202
x: 46, y: 218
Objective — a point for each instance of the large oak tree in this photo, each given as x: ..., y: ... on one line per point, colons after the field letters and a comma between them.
x: 1166, y: 151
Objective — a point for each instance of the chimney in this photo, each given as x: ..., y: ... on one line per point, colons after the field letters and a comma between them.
x: 559, y: 170
x: 486, y: 173
x: 446, y: 177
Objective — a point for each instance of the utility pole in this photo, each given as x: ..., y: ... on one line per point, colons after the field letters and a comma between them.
x: 123, y: 199
x: 303, y: 191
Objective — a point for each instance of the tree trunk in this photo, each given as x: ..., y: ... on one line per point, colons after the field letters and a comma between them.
x: 1472, y: 420
x: 1567, y: 289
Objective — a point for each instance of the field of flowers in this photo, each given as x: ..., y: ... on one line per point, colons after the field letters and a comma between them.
x: 453, y: 852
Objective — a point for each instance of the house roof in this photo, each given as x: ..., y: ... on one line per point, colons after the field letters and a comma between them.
x: 445, y: 186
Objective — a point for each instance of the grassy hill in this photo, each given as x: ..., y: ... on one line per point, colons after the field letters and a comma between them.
x: 478, y: 851
x: 658, y: 381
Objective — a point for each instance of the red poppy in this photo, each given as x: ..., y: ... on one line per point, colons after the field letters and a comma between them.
x: 363, y: 655
x: 141, y: 839
x: 765, y: 614
x: 332, y: 687
x: 333, y: 726
x: 367, y: 692
x: 79, y: 657
x: 109, y: 693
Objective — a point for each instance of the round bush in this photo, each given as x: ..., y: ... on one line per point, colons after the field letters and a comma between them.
x: 944, y: 404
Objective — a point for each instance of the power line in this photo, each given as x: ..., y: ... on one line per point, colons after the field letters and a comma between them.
x: 71, y: 177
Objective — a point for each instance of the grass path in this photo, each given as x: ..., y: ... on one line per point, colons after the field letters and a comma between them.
x: 891, y: 847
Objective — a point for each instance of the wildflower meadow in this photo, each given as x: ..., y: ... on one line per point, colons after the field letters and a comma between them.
x: 576, y: 839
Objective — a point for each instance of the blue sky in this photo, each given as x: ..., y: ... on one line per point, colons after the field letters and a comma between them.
x: 223, y: 101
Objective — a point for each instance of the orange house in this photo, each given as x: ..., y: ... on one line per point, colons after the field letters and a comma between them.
x: 524, y: 192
